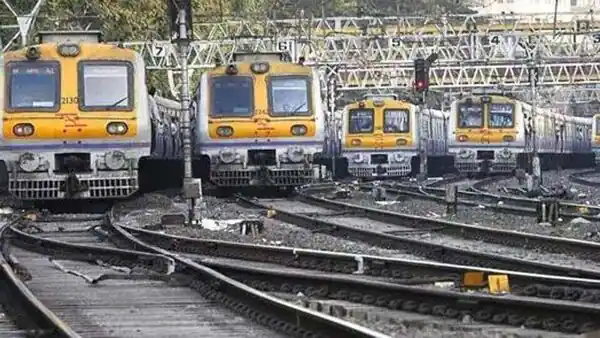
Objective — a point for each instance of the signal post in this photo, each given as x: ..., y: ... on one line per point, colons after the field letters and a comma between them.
x: 180, y: 15
x: 421, y: 86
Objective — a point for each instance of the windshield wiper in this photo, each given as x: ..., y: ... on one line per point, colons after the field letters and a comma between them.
x: 116, y: 103
x: 295, y: 111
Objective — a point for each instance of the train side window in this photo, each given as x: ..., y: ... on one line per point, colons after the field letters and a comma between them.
x: 231, y: 96
x: 395, y: 121
x: 501, y: 115
x: 33, y: 86
x: 360, y: 121
x: 106, y: 85
x: 470, y: 115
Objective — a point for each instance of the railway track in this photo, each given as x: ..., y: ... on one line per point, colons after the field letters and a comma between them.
x: 511, y: 310
x: 579, y: 178
x: 460, y: 244
x: 101, y: 291
x: 477, y: 196
x: 397, y: 270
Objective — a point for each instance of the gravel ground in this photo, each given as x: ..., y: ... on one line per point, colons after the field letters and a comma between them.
x: 580, y: 229
x: 150, y: 208
x: 578, y: 193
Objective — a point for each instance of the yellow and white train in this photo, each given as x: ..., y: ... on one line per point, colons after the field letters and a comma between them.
x: 383, y: 137
x: 258, y: 122
x: 77, y: 119
x: 493, y: 133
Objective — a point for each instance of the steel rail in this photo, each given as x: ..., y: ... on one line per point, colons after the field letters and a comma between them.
x: 38, y: 315
x: 579, y: 248
x: 579, y: 178
x: 527, y: 206
x: 522, y: 283
x: 435, y: 252
x: 280, y: 313
x: 517, y: 311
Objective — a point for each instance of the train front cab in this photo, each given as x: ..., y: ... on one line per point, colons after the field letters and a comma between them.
x: 485, y: 134
x: 377, y: 138
x: 66, y: 133
x: 260, y: 123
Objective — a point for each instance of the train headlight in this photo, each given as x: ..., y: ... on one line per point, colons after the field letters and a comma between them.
x: 116, y: 128
x: 29, y: 162
x: 225, y: 131
x: 68, y: 50
x: 399, y: 158
x: 505, y: 154
x: 463, y: 138
x: 401, y: 142
x: 508, y: 138
x: 259, y: 67
x: 295, y: 154
x: 227, y: 156
x: 465, y: 154
x: 298, y: 130
x: 356, y: 142
x: 358, y: 158
x: 115, y: 160
x: 23, y: 129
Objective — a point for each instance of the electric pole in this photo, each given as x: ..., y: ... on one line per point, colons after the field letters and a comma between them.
x: 180, y: 14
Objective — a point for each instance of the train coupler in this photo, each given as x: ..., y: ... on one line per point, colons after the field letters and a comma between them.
x: 73, y: 186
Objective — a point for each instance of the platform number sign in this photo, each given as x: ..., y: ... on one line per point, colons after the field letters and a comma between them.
x: 288, y: 46
x: 395, y: 42
x: 596, y: 37
x: 159, y: 51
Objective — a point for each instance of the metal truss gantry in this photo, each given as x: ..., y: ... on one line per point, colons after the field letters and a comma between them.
x: 375, y: 54
x: 18, y: 24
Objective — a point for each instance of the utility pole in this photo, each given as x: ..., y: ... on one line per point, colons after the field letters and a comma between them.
x: 180, y: 13
x: 421, y: 85
x: 536, y: 169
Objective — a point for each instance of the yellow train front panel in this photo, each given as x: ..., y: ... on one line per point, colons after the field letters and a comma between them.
x: 378, y: 137
x: 75, y: 119
x: 260, y: 113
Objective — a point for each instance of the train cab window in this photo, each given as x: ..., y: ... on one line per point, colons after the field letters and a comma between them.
x: 33, y: 86
x: 105, y: 85
x: 470, y: 116
x: 360, y: 121
x: 395, y: 121
x: 597, y: 124
x: 231, y: 96
x: 501, y: 115
x: 289, y: 96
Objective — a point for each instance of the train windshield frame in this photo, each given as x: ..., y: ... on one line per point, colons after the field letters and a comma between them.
x: 501, y: 115
x: 461, y: 123
x: 231, y: 96
x: 32, y: 86
x: 356, y: 118
x: 106, y: 86
x: 396, y: 121
x: 289, y: 95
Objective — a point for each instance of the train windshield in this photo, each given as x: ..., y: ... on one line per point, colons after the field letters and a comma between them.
x: 501, y: 115
x: 33, y: 86
x: 470, y: 115
x: 395, y: 121
x: 360, y: 121
x: 289, y: 96
x: 106, y: 86
x: 232, y: 96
